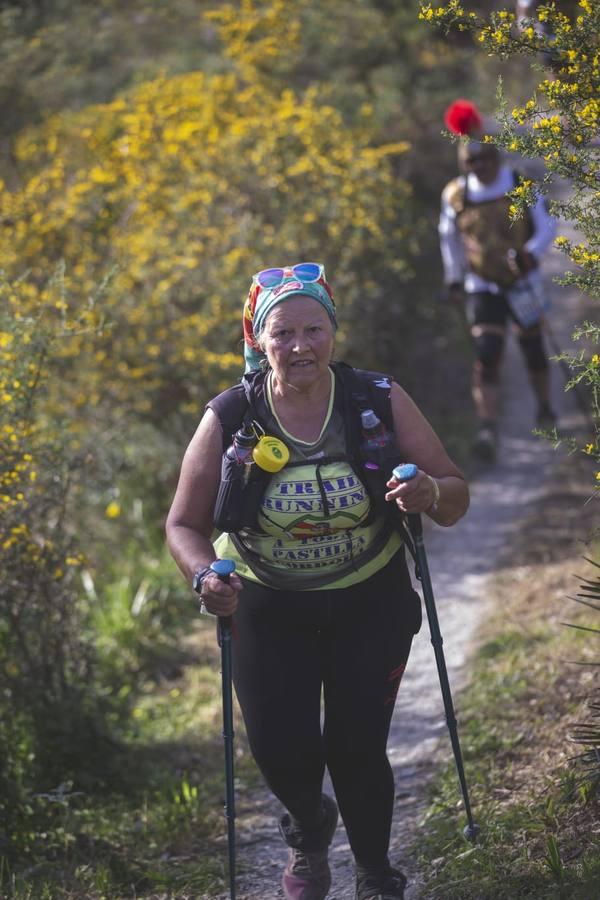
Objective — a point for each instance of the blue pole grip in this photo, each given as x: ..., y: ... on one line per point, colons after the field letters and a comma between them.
x: 223, y: 568
x: 405, y: 472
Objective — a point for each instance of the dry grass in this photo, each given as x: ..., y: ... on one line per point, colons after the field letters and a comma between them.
x: 531, y: 683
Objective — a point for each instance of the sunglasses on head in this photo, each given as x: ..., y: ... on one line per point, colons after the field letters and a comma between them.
x: 306, y: 272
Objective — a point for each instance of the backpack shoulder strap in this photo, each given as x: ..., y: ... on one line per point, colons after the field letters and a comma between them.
x: 235, y: 406
x: 230, y: 407
x: 368, y: 390
x: 362, y: 390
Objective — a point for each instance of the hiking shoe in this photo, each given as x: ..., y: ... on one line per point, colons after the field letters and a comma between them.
x: 484, y: 445
x: 385, y: 884
x: 307, y: 875
x: 546, y: 418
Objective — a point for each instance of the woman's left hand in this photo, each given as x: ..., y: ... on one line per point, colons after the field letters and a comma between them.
x: 415, y: 496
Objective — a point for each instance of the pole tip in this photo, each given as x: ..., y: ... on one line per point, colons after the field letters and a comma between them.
x: 471, y: 831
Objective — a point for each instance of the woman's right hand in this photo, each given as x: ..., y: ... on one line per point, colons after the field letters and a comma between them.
x: 220, y: 597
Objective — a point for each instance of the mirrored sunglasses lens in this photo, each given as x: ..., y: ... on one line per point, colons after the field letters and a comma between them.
x: 307, y: 271
x: 269, y: 278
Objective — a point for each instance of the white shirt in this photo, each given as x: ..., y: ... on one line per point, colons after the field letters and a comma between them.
x: 451, y: 241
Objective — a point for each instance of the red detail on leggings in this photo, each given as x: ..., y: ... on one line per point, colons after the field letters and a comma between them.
x: 395, y: 677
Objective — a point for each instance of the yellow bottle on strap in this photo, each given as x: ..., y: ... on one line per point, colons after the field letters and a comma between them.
x: 270, y: 453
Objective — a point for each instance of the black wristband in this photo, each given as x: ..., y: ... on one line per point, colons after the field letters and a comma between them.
x: 199, y: 576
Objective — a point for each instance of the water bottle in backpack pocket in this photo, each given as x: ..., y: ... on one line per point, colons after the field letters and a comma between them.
x: 246, y: 468
x: 379, y: 455
x: 235, y: 473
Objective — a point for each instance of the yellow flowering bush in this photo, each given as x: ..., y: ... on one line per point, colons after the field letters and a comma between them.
x: 44, y: 651
x: 182, y: 188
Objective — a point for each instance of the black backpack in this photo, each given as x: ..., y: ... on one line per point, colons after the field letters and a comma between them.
x: 238, y: 503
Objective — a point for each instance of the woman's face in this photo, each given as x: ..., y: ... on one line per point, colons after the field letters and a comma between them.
x: 298, y: 341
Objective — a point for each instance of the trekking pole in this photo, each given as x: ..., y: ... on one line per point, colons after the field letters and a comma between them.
x: 406, y: 473
x: 224, y: 568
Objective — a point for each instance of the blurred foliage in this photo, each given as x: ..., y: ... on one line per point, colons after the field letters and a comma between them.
x: 363, y: 78
x: 352, y: 76
x: 57, y: 54
x: 152, y: 183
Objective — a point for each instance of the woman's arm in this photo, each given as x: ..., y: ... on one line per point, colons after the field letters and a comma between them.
x: 189, y: 525
x: 418, y: 443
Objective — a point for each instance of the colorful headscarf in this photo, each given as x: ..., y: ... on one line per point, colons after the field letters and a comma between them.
x: 261, y: 301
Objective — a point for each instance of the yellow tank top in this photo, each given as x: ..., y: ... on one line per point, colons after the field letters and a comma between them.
x: 313, y: 519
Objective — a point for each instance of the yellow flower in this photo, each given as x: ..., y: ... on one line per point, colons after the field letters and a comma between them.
x: 113, y: 510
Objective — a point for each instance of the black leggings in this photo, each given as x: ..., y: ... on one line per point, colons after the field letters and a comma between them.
x: 353, y: 643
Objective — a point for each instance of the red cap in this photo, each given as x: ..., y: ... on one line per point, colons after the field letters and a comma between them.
x: 463, y: 117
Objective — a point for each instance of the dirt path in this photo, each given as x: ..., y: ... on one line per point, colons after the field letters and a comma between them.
x: 462, y: 560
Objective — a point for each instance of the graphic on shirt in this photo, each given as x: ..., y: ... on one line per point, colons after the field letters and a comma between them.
x: 319, y: 551
x: 294, y: 501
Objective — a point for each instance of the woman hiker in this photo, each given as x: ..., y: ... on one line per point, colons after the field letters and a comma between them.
x: 322, y: 601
